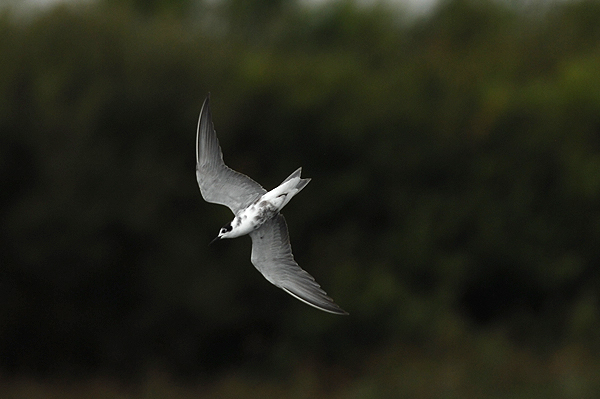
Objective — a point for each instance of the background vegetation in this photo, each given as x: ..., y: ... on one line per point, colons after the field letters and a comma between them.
x: 454, y: 209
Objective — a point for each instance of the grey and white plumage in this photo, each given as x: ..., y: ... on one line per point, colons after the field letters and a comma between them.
x: 257, y: 213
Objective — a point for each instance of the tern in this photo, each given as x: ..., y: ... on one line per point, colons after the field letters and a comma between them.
x: 257, y: 213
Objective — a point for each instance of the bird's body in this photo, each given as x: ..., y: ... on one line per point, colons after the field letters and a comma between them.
x: 257, y: 213
x: 267, y: 206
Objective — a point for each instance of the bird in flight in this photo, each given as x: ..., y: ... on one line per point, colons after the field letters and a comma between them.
x: 257, y: 213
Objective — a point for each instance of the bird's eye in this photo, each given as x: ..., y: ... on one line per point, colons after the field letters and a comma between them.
x: 226, y: 229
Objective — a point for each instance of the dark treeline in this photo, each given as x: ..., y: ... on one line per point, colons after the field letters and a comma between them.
x: 456, y: 182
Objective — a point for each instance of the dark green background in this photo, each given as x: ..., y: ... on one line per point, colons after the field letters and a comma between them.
x: 454, y: 210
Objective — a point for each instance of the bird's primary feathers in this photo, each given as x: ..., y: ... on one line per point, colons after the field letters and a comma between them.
x: 257, y: 214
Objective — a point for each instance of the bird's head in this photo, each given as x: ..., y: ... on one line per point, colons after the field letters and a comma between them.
x: 225, y: 232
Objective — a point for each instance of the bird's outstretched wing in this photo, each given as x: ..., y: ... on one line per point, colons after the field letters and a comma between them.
x: 272, y: 256
x: 218, y: 183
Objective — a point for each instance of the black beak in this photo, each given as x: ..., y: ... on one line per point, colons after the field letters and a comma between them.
x: 217, y: 238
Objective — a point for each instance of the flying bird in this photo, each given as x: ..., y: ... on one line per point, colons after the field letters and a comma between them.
x: 257, y: 213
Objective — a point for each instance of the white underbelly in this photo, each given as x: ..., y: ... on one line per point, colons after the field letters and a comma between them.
x: 256, y: 215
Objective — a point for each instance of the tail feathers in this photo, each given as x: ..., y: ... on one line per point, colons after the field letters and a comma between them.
x: 301, y: 184
x: 290, y: 187
x: 293, y: 175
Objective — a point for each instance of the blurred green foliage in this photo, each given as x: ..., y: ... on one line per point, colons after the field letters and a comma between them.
x: 455, y: 201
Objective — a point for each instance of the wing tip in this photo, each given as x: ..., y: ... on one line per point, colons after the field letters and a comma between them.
x: 328, y: 304
x: 205, y: 114
x: 204, y: 104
